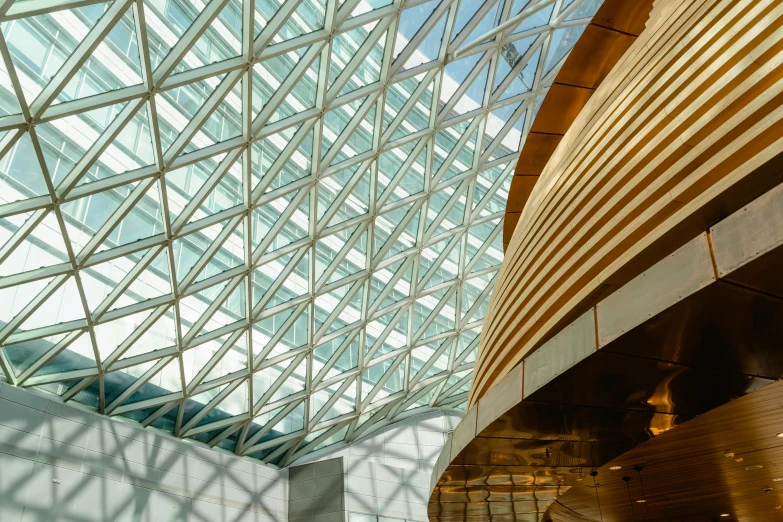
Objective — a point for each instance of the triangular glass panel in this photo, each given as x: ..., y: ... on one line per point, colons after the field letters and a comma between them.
x: 445, y: 141
x: 25, y: 178
x: 335, y: 121
x: 466, y: 12
x: 394, y: 383
x: 422, y: 355
x: 45, y: 51
x: 418, y: 118
x: 455, y: 74
x: 389, y: 164
x: 473, y: 98
x: 448, y: 268
x: 44, y: 246
x: 307, y: 18
x: 471, y: 291
x: 268, y: 150
x: 396, y: 340
x: 223, y: 123
x: 369, y: 5
x: 130, y: 150
x: 9, y: 104
x: 266, y: 216
x: 113, y: 64
x: 445, y: 320
x: 302, y: 96
x: 523, y: 81
x: 386, y: 224
x: 62, y: 306
x: 221, y: 40
x: 79, y: 355
x: 586, y: 9
x: 166, y: 381
x: 76, y: 133
x: 177, y: 107
x: 360, y: 140
x: 538, y: 19
x: 90, y: 213
x: 264, y: 11
x: 401, y: 290
x: 357, y: 203
x: 354, y: 261
x: 344, y: 47
x: 288, y: 329
x: 413, y: 180
x: 369, y: 71
x: 411, y: 20
x: 429, y: 48
x: 269, y: 75
x: 489, y: 20
x: 162, y: 334
x: 397, y: 95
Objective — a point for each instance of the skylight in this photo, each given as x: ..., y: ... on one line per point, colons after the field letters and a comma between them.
x: 269, y: 226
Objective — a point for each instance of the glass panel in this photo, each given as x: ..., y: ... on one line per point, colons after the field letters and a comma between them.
x: 275, y: 247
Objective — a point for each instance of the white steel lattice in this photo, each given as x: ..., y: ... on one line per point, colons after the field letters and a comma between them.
x: 269, y: 225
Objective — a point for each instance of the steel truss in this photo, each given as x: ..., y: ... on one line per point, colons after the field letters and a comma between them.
x: 271, y: 226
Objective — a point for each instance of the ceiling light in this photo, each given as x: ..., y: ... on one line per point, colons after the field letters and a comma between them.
x: 641, y: 501
x: 780, y: 435
x: 725, y: 514
x: 615, y: 468
x: 757, y: 466
x: 777, y: 479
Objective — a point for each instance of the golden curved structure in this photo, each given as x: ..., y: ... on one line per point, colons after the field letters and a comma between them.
x: 633, y: 337
x: 684, y: 130
x: 604, y: 41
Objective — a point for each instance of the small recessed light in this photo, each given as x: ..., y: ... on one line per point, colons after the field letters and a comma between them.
x: 767, y: 490
x: 777, y: 479
x: 751, y: 468
x: 725, y: 515
x: 780, y: 435
x: 641, y: 501
x: 738, y: 459
x: 615, y: 468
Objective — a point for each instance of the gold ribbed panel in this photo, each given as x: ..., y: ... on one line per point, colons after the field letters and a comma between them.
x: 684, y: 130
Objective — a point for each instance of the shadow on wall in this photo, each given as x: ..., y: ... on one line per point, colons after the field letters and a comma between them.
x: 387, y: 474
x: 59, y: 463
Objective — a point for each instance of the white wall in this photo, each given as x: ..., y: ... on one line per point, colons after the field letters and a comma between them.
x: 59, y: 463
x: 387, y: 475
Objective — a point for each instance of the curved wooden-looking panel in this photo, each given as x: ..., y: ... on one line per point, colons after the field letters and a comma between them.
x: 698, y: 332
x: 604, y: 41
x: 684, y: 130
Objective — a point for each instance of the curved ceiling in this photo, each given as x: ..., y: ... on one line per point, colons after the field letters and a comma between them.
x: 266, y: 225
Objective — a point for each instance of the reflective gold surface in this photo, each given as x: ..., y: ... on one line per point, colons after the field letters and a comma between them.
x: 684, y: 130
x: 679, y: 366
x: 637, y: 320
x: 613, y: 28
x: 685, y: 475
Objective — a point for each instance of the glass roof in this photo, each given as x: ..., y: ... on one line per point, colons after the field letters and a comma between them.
x: 267, y: 225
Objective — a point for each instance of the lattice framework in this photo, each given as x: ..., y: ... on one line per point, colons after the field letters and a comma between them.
x: 270, y: 226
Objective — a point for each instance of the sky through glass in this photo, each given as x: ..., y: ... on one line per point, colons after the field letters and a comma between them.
x: 268, y: 225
